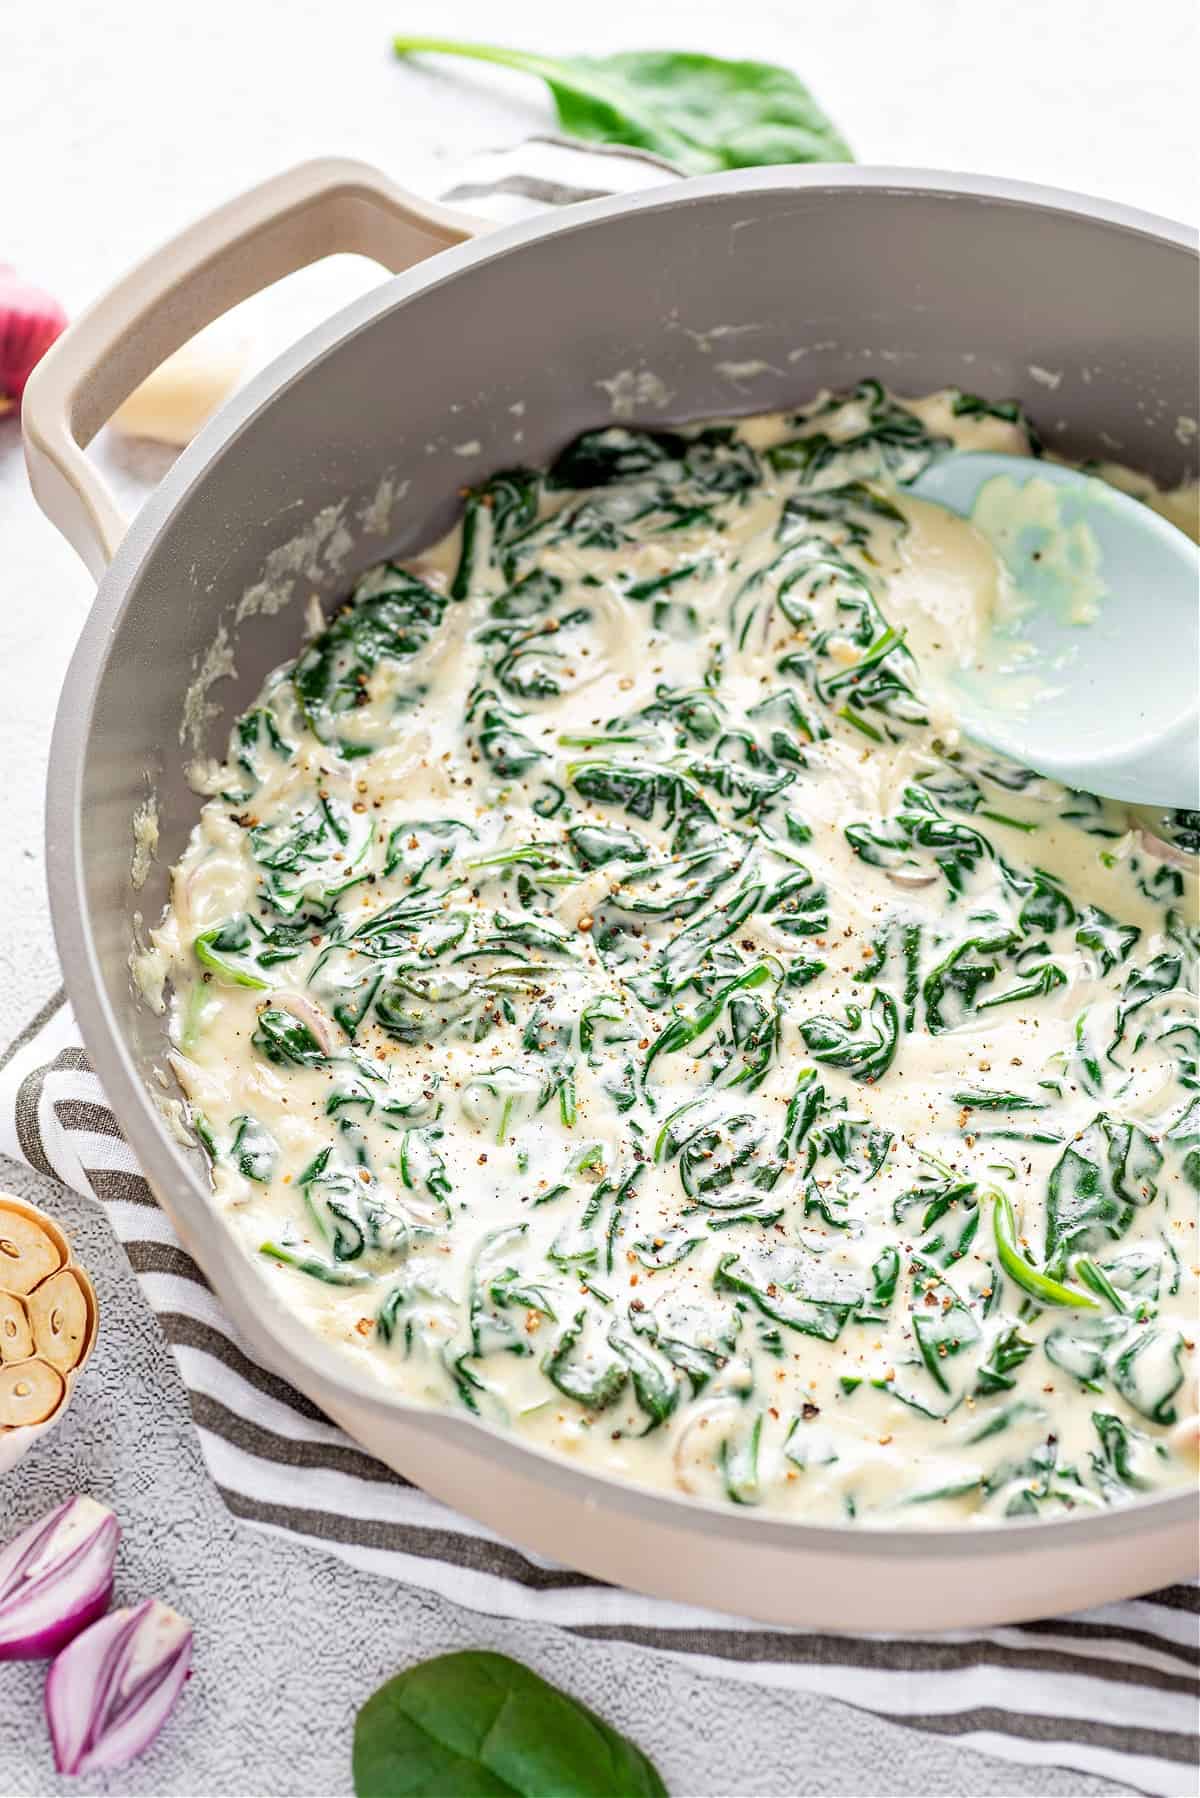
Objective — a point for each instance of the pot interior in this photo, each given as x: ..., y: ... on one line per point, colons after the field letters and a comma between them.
x: 741, y: 295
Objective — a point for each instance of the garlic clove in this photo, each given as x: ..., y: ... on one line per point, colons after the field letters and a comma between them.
x: 28, y: 1252
x: 30, y: 1392
x: 16, y: 1336
x: 62, y: 1315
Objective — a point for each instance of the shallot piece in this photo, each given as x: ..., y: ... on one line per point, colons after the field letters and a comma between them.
x: 306, y: 1013
x: 912, y: 878
x: 1163, y: 851
x: 109, y: 1693
x: 56, y: 1577
x: 29, y: 323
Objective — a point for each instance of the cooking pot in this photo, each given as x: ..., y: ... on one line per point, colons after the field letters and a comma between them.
x: 735, y: 293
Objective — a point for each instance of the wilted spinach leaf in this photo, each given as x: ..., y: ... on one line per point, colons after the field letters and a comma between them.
x: 864, y: 1051
x: 1148, y: 1372
x: 507, y: 750
x: 1095, y: 1185
x: 222, y: 948
x: 580, y: 1374
x: 1115, y: 1464
x: 254, y: 1149
x: 791, y: 1287
x: 509, y: 503
x: 392, y: 616
x: 285, y: 1040
x: 892, y: 441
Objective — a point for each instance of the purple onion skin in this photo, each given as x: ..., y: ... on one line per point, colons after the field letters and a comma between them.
x: 111, y: 1690
x: 29, y: 323
x: 56, y: 1578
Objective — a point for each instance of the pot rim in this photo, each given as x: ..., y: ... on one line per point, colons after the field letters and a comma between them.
x: 296, y: 1352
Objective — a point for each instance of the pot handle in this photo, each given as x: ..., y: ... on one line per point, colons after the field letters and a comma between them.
x: 318, y: 209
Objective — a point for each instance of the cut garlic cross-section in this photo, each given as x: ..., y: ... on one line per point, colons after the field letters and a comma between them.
x: 61, y: 1319
x: 27, y: 1252
x: 16, y: 1336
x: 30, y: 1392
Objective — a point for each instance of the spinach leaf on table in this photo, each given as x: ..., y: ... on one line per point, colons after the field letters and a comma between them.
x: 701, y: 113
x: 481, y: 1725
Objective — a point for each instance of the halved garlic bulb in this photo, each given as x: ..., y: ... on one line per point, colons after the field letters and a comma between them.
x: 47, y: 1324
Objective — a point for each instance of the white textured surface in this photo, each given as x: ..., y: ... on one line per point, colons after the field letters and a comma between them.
x: 119, y: 124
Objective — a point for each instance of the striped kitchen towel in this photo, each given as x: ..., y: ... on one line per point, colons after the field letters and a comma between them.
x: 1112, y: 1692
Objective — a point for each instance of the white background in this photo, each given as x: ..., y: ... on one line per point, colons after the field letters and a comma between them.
x: 120, y: 122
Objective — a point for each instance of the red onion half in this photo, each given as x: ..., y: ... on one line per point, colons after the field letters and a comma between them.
x: 56, y: 1577
x: 29, y: 323
x: 111, y: 1690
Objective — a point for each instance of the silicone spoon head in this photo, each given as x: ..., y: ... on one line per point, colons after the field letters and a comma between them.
x: 1092, y: 676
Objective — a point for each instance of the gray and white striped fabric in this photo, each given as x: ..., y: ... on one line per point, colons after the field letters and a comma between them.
x: 1112, y: 1692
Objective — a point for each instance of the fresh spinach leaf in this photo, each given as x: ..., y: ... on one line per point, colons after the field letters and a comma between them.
x: 701, y: 113
x: 480, y: 1725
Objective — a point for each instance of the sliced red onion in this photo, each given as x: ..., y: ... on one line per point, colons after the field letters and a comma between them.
x: 109, y: 1693
x: 56, y: 1577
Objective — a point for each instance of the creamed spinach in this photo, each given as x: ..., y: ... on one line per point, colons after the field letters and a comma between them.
x: 616, y: 999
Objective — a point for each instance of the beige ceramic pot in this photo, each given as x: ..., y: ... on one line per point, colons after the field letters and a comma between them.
x: 1084, y: 311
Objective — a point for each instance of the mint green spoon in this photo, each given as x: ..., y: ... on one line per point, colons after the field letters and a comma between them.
x: 1093, y: 678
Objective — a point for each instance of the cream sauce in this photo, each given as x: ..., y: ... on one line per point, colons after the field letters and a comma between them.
x: 703, y: 1194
